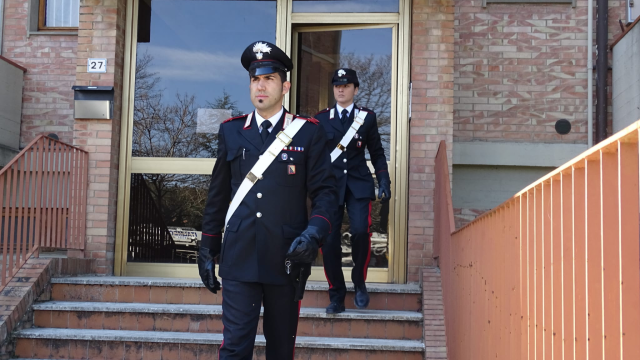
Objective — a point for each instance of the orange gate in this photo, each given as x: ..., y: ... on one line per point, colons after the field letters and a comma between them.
x: 43, y: 192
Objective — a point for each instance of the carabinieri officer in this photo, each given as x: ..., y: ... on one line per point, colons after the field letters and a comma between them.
x: 268, y: 161
x: 351, y: 129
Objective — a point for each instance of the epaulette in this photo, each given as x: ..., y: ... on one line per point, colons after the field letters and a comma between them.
x: 365, y: 109
x: 235, y: 118
x: 323, y: 111
x: 310, y: 119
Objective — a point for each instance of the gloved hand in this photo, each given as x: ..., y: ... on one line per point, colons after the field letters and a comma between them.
x: 207, y: 269
x: 384, y: 187
x: 304, y: 249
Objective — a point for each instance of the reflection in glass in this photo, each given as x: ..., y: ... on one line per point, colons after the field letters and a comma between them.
x: 379, y: 236
x: 368, y: 52
x: 352, y: 6
x: 188, y: 73
x: 165, y: 217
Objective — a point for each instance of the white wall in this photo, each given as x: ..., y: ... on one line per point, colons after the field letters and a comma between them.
x: 485, y: 187
x: 11, y: 83
x: 626, y: 80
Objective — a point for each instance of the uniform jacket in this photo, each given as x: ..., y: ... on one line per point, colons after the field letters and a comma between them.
x: 350, y: 168
x: 274, y: 212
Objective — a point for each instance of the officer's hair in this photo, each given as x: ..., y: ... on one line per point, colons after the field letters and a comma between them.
x: 283, y: 75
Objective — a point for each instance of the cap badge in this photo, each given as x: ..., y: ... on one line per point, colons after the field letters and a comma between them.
x: 341, y: 72
x: 260, y: 48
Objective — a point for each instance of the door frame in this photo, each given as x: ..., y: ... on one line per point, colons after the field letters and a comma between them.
x: 286, y: 20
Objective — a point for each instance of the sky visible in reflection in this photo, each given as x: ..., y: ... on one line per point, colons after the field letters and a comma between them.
x: 196, y: 46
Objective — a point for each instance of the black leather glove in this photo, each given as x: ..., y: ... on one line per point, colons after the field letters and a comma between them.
x: 207, y: 269
x: 384, y: 187
x: 304, y: 249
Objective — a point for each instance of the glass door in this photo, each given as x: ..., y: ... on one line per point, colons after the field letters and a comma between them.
x: 183, y: 77
x: 369, y: 50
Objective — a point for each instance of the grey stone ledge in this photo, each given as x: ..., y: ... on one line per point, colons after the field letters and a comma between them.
x: 215, y: 339
x: 196, y: 283
x: 382, y: 315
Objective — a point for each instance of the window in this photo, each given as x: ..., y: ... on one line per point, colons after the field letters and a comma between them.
x: 59, y: 14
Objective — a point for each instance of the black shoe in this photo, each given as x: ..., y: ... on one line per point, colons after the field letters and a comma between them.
x: 361, y: 300
x: 335, y: 308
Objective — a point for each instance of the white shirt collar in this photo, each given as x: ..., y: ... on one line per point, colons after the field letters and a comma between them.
x: 274, y: 119
x: 340, y: 108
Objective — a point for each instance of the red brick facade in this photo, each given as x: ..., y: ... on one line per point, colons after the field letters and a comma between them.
x: 101, y: 34
x: 500, y: 73
x: 431, y: 119
x: 47, y: 104
x: 520, y: 68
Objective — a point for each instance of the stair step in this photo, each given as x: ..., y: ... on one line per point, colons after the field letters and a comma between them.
x: 319, y: 313
x: 110, y: 344
x: 404, y: 297
x: 190, y: 282
x: 401, y: 325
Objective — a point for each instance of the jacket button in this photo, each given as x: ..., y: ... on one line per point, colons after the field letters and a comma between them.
x: 344, y: 160
x: 345, y: 171
x: 259, y: 215
x: 259, y: 195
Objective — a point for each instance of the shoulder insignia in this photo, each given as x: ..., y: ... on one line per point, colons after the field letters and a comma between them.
x: 323, y: 111
x: 365, y: 109
x: 235, y: 118
x: 310, y: 119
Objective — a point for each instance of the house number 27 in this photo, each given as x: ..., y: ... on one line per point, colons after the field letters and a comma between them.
x: 97, y: 65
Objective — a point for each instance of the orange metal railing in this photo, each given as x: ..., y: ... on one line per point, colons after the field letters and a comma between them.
x: 553, y: 272
x: 43, y: 192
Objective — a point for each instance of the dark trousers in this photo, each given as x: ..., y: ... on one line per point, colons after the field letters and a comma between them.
x: 240, y: 315
x: 359, y: 211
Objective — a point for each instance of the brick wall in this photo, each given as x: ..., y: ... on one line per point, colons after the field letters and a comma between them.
x: 50, y: 62
x: 431, y: 120
x: 101, y: 34
x: 520, y: 68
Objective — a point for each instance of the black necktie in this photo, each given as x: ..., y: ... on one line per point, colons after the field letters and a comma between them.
x: 345, y: 117
x: 265, y: 130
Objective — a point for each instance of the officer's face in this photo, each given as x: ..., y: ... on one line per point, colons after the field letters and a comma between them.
x: 344, y: 94
x: 267, y: 92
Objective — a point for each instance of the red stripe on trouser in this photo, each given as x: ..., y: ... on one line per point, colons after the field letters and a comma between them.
x: 366, y: 263
x: 325, y: 271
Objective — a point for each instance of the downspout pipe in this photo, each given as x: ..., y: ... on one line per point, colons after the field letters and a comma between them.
x: 1, y: 23
x: 602, y: 35
x: 590, y: 74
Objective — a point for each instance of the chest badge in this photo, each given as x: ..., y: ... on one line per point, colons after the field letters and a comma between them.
x: 285, y: 156
x: 291, y: 169
x: 359, y: 143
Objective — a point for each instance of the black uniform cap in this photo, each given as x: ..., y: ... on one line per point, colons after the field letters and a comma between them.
x: 345, y: 76
x: 262, y: 57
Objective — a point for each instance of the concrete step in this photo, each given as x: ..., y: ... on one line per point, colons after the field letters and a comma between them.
x: 404, y: 297
x: 401, y: 325
x: 112, y: 344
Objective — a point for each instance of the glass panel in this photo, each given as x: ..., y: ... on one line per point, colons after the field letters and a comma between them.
x: 368, y: 52
x: 188, y: 72
x: 353, y: 6
x: 62, y: 13
x: 165, y: 217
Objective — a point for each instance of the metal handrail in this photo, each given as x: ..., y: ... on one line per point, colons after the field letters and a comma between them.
x: 43, y: 193
x: 553, y: 272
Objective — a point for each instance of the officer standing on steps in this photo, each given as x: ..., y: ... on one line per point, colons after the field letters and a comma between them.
x: 268, y: 161
x: 349, y: 130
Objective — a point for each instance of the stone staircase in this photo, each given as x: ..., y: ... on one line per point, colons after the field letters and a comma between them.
x: 152, y: 318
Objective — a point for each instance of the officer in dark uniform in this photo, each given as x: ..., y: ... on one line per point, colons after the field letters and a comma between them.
x: 271, y: 225
x: 355, y: 188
